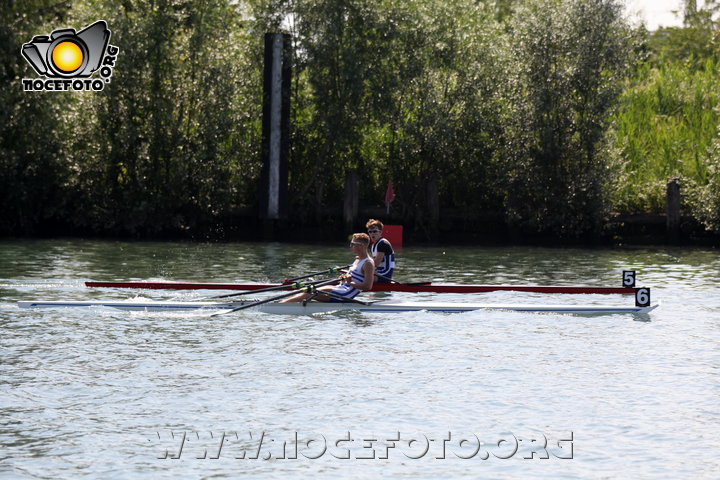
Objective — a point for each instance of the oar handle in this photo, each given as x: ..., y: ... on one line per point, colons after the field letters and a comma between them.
x: 328, y: 271
x: 284, y: 286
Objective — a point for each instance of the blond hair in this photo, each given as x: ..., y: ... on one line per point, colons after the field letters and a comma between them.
x: 361, y: 237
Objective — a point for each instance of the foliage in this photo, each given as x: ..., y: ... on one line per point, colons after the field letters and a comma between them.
x: 171, y: 144
x: 569, y: 62
x: 501, y: 107
x: 177, y: 127
x: 394, y: 90
x: 704, y: 199
x: 31, y: 168
x: 668, y: 120
x: 694, y: 43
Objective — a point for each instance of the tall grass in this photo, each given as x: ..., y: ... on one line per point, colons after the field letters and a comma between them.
x: 667, y: 122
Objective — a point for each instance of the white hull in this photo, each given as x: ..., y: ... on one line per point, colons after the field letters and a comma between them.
x: 320, y: 307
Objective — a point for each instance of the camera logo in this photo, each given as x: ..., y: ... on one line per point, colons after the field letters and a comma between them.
x: 67, y: 58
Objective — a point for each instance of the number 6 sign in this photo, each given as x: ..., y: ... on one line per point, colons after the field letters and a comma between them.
x: 642, y: 297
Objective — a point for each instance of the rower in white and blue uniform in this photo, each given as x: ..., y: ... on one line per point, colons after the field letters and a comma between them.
x: 354, y: 278
x: 381, y: 252
x: 359, y: 278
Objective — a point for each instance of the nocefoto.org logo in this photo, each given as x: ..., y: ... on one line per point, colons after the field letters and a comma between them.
x: 67, y: 58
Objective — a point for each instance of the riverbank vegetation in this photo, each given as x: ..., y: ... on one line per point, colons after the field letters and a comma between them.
x: 545, y: 116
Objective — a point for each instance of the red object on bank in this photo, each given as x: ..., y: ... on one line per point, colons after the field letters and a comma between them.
x: 394, y: 234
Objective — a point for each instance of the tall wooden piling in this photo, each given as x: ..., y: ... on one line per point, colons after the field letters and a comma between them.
x: 275, y: 127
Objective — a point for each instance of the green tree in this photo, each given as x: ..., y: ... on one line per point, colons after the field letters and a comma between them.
x: 570, y: 58
x: 393, y: 90
x: 693, y: 43
x: 337, y: 42
x: 446, y: 118
x: 31, y: 166
x: 175, y: 134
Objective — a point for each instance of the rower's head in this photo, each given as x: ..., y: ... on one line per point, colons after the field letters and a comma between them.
x: 374, y: 229
x: 360, y: 241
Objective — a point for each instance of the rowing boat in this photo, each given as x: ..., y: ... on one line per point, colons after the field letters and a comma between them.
x: 297, y: 308
x: 377, y: 287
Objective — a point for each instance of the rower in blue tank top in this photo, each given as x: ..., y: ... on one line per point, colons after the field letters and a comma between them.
x: 357, y: 279
x: 381, y: 252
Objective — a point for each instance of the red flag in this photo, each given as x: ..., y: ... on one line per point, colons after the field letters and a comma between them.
x: 389, y: 196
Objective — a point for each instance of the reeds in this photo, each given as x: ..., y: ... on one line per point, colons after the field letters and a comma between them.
x: 667, y: 122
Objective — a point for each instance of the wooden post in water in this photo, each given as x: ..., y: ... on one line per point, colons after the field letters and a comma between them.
x: 673, y: 212
x: 275, y: 129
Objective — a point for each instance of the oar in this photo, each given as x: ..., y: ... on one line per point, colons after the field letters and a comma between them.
x: 284, y: 286
x: 278, y: 297
x: 329, y: 271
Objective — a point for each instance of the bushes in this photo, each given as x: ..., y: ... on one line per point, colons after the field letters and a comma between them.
x: 669, y: 118
x: 569, y: 60
x: 501, y: 107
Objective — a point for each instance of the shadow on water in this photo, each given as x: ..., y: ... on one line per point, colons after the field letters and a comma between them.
x: 642, y: 317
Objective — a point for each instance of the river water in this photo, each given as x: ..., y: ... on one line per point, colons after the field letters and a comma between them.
x: 95, y: 393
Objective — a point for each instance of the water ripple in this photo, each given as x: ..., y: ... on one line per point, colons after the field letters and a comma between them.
x: 104, y: 394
